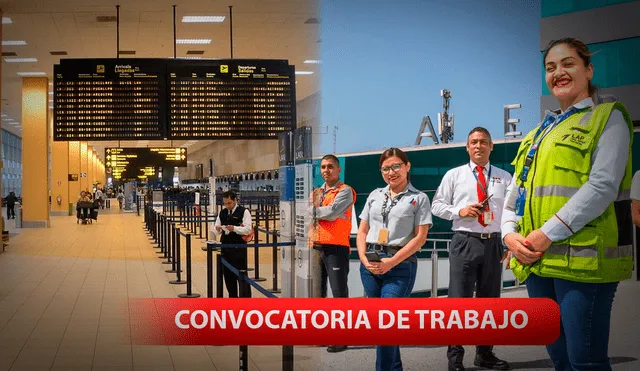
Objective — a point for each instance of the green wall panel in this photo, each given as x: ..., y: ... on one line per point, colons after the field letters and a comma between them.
x: 551, y: 8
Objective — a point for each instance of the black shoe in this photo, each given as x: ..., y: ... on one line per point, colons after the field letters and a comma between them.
x: 456, y: 367
x: 489, y: 360
x: 336, y: 348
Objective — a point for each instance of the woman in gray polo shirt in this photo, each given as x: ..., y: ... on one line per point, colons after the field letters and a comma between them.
x: 394, y: 224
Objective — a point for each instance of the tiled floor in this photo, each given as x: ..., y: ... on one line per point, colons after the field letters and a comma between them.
x: 63, y: 306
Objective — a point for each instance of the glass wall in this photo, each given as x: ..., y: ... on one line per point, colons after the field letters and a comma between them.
x: 12, y: 160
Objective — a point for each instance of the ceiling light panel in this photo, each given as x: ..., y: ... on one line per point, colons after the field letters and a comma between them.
x: 193, y: 41
x: 20, y: 60
x: 13, y: 42
x: 304, y: 72
x: 203, y: 19
x: 313, y: 61
x: 32, y: 74
x: 6, y: 20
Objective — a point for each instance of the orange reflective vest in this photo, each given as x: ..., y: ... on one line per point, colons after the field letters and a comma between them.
x: 334, y: 232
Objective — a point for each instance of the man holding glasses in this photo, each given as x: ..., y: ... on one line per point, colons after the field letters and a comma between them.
x: 472, y: 196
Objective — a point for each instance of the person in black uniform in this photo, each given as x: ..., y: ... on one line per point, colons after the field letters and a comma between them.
x: 11, y: 204
x: 233, y: 222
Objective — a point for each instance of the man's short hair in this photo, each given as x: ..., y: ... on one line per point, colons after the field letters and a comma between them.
x: 481, y: 130
x: 332, y: 158
x: 229, y: 194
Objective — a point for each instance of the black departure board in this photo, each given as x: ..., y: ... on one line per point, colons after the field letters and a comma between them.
x: 231, y: 99
x: 155, y: 99
x: 109, y: 99
x: 142, y: 163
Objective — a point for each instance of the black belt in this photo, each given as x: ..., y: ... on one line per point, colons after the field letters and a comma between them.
x: 391, y: 250
x: 482, y: 236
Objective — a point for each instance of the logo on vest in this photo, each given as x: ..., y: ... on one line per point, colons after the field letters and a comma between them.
x: 574, y: 138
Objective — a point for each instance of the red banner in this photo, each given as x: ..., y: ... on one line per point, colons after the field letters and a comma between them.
x: 344, y: 321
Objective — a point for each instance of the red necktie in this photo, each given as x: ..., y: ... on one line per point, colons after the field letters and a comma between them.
x: 481, y: 185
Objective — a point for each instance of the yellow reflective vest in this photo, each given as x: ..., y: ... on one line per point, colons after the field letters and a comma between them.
x: 601, y: 251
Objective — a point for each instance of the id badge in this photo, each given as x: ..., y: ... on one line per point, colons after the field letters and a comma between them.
x: 383, y: 236
x: 488, y: 217
x: 520, y: 201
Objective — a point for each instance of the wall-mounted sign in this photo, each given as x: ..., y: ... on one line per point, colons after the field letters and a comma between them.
x: 73, y: 177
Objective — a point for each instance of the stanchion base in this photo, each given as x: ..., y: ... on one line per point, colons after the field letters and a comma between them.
x: 259, y: 279
x: 160, y: 252
x: 188, y: 296
x: 176, y: 282
x: 167, y: 262
x: 250, y: 269
x: 172, y: 271
x: 277, y: 291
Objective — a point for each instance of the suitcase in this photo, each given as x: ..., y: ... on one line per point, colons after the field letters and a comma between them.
x: 94, y: 214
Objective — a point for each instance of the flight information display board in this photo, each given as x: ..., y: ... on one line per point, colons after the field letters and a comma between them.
x: 231, y: 99
x: 109, y: 99
x: 155, y: 99
x: 142, y: 163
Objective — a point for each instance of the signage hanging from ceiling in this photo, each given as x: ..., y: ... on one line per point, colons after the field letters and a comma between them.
x: 155, y: 99
x: 142, y: 163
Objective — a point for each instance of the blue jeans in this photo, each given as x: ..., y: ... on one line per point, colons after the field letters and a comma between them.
x: 585, y: 315
x: 396, y: 283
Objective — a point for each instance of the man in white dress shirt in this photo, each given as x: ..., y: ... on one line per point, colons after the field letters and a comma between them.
x: 476, y: 249
x: 233, y: 222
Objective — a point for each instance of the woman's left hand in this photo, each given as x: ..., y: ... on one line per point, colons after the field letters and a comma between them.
x: 381, y: 267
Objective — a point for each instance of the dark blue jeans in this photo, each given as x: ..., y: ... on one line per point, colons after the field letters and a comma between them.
x: 585, y: 315
x: 396, y: 283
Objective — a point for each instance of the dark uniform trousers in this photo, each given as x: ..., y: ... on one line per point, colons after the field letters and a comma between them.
x: 335, y: 268
x: 237, y: 257
x: 474, y: 264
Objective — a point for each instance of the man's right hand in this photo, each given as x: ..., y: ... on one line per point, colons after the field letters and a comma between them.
x: 517, y: 244
x: 218, y: 228
x: 471, y: 211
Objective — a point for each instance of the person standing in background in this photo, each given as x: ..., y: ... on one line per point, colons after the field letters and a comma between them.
x: 331, y: 229
x: 473, y: 195
x: 11, y: 204
x: 233, y: 222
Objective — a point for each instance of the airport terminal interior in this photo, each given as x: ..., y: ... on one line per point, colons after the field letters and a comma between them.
x: 119, y: 137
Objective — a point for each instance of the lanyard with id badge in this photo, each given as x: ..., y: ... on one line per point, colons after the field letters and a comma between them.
x: 383, y: 235
x: 549, y: 124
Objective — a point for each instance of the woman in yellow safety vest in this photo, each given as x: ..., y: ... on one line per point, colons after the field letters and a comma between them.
x: 567, y: 219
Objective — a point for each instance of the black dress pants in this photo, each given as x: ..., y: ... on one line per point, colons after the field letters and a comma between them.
x: 474, y: 264
x: 237, y: 257
x: 11, y: 211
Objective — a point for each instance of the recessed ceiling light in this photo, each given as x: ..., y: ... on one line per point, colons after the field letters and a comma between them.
x: 313, y: 61
x: 6, y: 20
x: 32, y: 73
x: 50, y: 84
x: 20, y: 60
x: 50, y: 93
x: 13, y: 42
x: 190, y: 57
x: 203, y: 18
x: 3, y: 115
x: 193, y: 41
x: 304, y: 72
x: 7, y: 119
